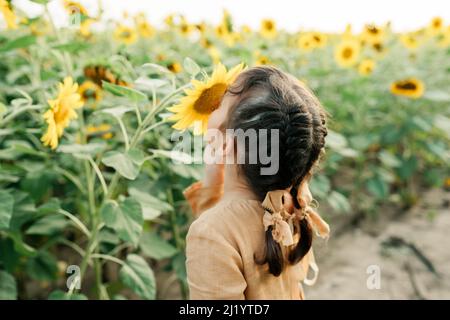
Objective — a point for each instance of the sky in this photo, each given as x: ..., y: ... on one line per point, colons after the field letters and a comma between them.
x: 324, y: 15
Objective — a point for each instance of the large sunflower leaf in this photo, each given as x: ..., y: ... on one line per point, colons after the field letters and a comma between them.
x: 6, y: 209
x: 8, y: 287
x: 125, y: 218
x: 122, y: 91
x: 138, y: 276
x: 126, y: 164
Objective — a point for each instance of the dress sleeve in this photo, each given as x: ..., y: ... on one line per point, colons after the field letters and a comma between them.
x: 214, y: 267
x: 201, y: 198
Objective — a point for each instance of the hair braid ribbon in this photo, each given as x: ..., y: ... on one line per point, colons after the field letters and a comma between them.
x: 281, y: 214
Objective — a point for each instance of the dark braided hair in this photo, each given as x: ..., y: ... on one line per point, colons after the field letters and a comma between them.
x: 269, y: 99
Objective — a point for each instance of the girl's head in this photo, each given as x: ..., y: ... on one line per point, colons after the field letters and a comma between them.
x: 267, y: 98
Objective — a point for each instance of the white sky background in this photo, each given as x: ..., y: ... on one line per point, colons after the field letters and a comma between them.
x: 324, y: 15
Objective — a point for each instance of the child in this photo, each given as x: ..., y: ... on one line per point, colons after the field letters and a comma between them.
x: 253, y: 237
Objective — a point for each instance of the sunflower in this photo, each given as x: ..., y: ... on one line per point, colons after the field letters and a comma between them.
x: 175, y: 67
x: 85, y: 27
x: 103, y: 130
x: 90, y: 91
x: 444, y: 40
x: 39, y: 27
x: 319, y: 39
x: 366, y: 67
x: 372, y: 34
x: 409, y: 41
x: 214, y: 53
x: 145, y: 29
x: 99, y: 73
x: 125, y: 35
x: 245, y: 29
x: 262, y: 61
x: 195, y: 108
x: 8, y: 14
x: 206, y: 42
x: 305, y: 42
x: 411, y: 88
x: 185, y: 28
x: 348, y: 32
x: 268, y: 28
x: 435, y: 26
x: 347, y: 53
x: 74, y: 7
x: 61, y: 112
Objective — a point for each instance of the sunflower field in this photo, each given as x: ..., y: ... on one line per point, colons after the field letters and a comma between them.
x: 91, y: 202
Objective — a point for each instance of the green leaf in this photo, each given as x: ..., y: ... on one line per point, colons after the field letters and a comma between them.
x: 191, y: 66
x: 438, y: 96
x: 82, y: 151
x: 137, y: 156
x: 442, y: 123
x: 138, y: 276
x: 72, y: 47
x: 126, y: 164
x: 179, y: 266
x: 320, y: 186
x: 122, y: 91
x: 125, y: 218
x: 378, y: 187
x: 23, y: 212
x: 51, y: 206
x: 339, y: 202
x: 152, y: 207
x: 38, y: 183
x: 42, y: 267
x: 8, y: 287
x: 335, y: 140
x: 118, y: 111
x: 9, y: 257
x: 407, y: 168
x: 48, y: 225
x: 20, y: 246
x: 61, y: 295
x: 389, y: 159
x: 3, y: 110
x: 174, y: 155
x: 20, y: 42
x: 44, y: 2
x: 154, y: 247
x: 6, y: 209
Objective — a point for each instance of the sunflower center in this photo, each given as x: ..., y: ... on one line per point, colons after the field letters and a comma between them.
x: 347, y: 53
x: 61, y: 114
x: 373, y: 30
x: 89, y: 94
x: 437, y: 24
x: 126, y: 34
x: 269, y: 25
x: 407, y: 86
x: 210, y: 98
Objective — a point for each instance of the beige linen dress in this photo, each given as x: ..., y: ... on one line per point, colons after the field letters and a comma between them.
x: 222, y: 244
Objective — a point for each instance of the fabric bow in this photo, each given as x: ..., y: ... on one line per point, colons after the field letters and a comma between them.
x: 280, y: 213
x: 276, y: 205
x: 304, y: 198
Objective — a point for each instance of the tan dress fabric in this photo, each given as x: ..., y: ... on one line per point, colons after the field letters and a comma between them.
x: 221, y: 247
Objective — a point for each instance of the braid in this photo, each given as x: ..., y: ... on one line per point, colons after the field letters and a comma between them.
x: 269, y: 99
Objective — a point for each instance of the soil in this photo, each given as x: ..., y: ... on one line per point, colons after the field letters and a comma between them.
x: 411, y: 253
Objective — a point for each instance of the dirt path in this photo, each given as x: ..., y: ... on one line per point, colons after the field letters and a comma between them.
x: 406, y: 272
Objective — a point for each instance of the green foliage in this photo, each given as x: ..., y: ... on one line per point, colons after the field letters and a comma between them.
x: 111, y: 192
